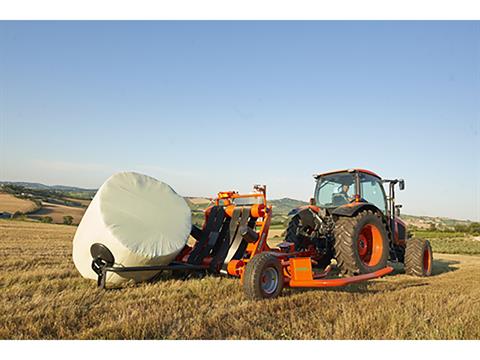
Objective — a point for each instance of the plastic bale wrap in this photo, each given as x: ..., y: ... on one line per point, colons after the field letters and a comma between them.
x: 141, y: 220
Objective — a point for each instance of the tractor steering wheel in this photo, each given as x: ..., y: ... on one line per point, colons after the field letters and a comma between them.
x: 347, y: 198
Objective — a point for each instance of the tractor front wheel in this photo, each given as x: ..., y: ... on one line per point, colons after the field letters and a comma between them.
x: 361, y: 243
x: 418, y: 257
x: 302, y: 242
x: 263, y: 277
x: 292, y: 232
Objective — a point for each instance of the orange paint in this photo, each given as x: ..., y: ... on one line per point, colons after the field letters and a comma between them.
x: 370, y: 245
x: 340, y: 281
x: 427, y: 264
x: 301, y: 269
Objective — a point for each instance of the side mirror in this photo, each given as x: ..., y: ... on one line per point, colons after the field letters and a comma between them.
x: 401, y: 184
x: 397, y: 210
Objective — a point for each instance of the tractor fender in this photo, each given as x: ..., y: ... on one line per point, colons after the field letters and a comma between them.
x: 295, y: 211
x: 306, y: 214
x: 353, y: 209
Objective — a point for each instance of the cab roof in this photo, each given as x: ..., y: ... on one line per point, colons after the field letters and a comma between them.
x: 316, y: 176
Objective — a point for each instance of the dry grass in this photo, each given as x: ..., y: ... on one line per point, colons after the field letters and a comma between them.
x: 11, y: 204
x: 272, y: 233
x: 43, y: 297
x: 57, y: 212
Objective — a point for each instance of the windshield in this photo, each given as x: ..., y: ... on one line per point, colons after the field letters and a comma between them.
x: 335, y: 190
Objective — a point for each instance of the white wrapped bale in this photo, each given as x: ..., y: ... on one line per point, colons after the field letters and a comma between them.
x: 141, y: 220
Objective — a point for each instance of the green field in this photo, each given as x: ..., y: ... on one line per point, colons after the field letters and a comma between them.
x: 451, y: 242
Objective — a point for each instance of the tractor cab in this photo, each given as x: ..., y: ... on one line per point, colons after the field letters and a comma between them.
x: 347, y: 187
x: 345, y: 192
x: 336, y: 189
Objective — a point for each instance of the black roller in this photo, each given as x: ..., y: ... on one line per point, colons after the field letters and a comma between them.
x: 101, y: 252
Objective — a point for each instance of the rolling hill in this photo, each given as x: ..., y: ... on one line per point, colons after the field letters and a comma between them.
x: 75, y: 197
x: 39, y: 186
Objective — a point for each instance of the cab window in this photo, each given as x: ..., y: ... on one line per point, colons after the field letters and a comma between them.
x: 335, y: 190
x: 372, y: 191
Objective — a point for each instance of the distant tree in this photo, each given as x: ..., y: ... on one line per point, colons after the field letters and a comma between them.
x: 37, y: 202
x: 68, y: 220
x: 461, y: 228
x: 433, y: 227
x: 46, y: 219
x: 474, y: 228
x: 16, y: 215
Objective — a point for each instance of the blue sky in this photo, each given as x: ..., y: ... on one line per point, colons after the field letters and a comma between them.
x: 209, y: 106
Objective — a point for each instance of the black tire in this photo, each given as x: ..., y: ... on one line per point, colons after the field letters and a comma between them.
x: 418, y: 257
x: 350, y: 253
x: 254, y: 284
x: 301, y: 242
x: 292, y: 230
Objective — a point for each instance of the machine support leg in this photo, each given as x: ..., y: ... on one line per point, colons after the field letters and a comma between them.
x: 102, y: 278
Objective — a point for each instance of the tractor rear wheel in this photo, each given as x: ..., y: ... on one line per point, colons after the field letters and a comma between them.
x: 418, y: 257
x: 361, y: 243
x: 263, y: 277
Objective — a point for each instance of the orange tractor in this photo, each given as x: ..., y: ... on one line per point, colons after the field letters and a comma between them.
x: 350, y: 220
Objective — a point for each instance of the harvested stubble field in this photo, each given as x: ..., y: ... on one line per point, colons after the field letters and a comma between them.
x: 57, y: 212
x: 43, y: 297
x: 12, y: 204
